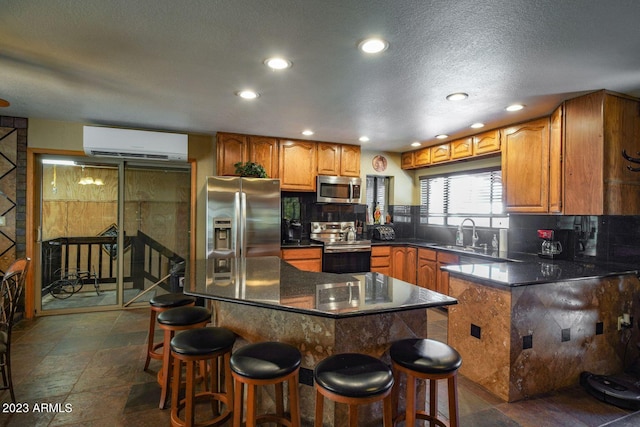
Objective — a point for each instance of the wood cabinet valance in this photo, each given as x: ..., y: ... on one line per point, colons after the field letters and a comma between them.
x: 484, y: 144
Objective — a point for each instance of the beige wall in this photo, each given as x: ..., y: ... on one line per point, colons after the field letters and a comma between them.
x: 401, y: 191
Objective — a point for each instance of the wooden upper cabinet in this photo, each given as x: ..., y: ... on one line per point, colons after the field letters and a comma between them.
x: 328, y: 159
x: 525, y: 167
x: 298, y: 165
x: 598, y: 127
x: 350, y: 160
x: 231, y: 149
x: 555, y: 161
x: 440, y: 153
x: 338, y: 159
x: 264, y: 151
x: 422, y: 157
x: 487, y: 142
x: 462, y: 148
x: 408, y: 160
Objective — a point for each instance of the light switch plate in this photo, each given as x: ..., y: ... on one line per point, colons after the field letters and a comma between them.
x: 3, y: 221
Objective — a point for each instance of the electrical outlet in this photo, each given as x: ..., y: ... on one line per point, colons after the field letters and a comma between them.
x: 624, y: 321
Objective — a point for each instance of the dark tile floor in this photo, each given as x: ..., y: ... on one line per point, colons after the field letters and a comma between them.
x: 86, y: 370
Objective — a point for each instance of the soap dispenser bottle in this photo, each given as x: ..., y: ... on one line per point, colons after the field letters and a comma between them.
x: 494, y: 243
x: 459, y: 238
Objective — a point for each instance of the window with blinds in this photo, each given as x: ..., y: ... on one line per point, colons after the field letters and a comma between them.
x: 377, y: 193
x: 448, y: 199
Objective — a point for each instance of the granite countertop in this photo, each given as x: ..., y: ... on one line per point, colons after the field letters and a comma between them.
x: 513, y: 269
x: 305, y: 243
x: 270, y: 282
x: 512, y: 274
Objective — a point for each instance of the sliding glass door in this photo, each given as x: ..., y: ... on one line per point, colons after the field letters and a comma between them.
x: 112, y: 233
x: 156, y: 230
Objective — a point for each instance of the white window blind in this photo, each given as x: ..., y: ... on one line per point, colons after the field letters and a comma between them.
x: 447, y: 199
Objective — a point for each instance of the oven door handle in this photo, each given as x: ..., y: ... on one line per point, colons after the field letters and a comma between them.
x: 331, y: 250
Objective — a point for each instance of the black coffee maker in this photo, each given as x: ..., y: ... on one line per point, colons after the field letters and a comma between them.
x: 291, y: 231
x: 557, y: 244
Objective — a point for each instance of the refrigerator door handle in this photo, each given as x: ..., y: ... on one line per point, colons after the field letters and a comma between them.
x: 237, y: 233
x: 243, y: 225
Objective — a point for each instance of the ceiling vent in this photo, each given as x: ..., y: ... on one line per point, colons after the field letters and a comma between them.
x: 134, y: 144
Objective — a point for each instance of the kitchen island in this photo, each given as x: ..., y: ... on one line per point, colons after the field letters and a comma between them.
x: 527, y: 328
x: 267, y: 299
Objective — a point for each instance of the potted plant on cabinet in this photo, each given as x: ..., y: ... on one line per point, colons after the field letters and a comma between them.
x: 250, y: 169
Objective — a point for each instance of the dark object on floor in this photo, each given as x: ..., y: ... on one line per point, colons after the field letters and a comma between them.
x: 622, y: 390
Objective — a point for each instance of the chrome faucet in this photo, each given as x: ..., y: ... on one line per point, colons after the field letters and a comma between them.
x: 460, y: 236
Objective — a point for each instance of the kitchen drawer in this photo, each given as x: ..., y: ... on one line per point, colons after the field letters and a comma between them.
x: 380, y: 261
x: 427, y: 254
x: 302, y: 253
x: 380, y: 251
x: 448, y: 258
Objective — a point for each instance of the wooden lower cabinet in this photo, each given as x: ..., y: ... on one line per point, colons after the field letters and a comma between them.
x: 427, y: 271
x: 403, y: 263
x: 444, y: 258
x: 308, y: 259
x: 381, y: 259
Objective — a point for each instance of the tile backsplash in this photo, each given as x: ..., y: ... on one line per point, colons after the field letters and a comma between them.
x: 611, y: 239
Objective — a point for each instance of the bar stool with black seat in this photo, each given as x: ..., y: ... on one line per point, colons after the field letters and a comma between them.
x: 431, y: 360
x: 213, y: 346
x: 355, y: 379
x: 158, y: 304
x: 261, y: 364
x: 171, y: 321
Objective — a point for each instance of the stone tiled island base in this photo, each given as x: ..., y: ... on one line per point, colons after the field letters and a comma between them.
x: 318, y: 337
x: 522, y: 341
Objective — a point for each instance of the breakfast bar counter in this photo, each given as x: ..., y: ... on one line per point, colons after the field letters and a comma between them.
x: 266, y: 299
x: 529, y: 328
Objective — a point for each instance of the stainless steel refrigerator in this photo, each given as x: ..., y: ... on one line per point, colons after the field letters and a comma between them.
x: 243, y: 217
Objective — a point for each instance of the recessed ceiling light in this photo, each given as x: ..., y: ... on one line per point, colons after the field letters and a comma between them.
x: 307, y: 132
x: 442, y: 136
x: 515, y: 107
x: 247, y: 94
x: 277, y: 63
x: 415, y: 144
x: 373, y: 45
x: 364, y: 139
x: 477, y: 125
x: 458, y: 96
x: 4, y: 103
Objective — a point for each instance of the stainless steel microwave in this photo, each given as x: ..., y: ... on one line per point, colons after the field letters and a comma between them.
x: 338, y: 189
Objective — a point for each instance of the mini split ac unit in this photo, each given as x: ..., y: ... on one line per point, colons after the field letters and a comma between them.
x: 134, y: 144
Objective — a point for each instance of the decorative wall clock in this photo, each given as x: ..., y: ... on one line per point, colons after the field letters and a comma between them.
x: 379, y: 163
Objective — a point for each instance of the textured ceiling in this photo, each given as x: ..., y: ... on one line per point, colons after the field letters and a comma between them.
x: 175, y: 65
